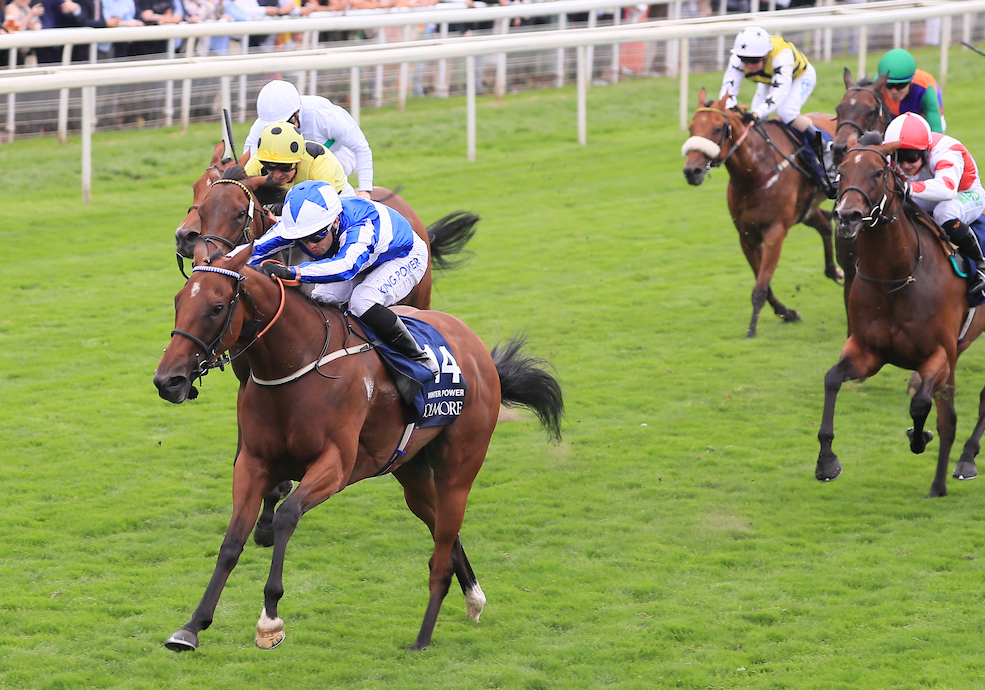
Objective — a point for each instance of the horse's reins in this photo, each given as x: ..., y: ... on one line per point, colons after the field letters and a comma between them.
x: 875, y: 217
x: 213, y: 353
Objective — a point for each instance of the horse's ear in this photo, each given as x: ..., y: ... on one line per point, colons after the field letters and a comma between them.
x: 201, y: 254
x: 848, y: 78
x: 217, y: 152
x: 238, y: 260
x: 890, y: 148
x: 701, y: 97
x: 880, y: 83
x: 244, y: 159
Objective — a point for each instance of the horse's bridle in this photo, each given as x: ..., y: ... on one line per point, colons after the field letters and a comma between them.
x: 876, y: 216
x: 214, y: 350
x: 883, y: 117
x: 726, y: 135
x: 246, y: 234
x: 877, y: 209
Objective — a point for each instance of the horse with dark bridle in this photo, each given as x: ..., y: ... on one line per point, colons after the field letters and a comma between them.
x: 445, y: 237
x: 320, y: 408
x: 907, y: 307
x: 768, y: 191
x: 862, y: 109
x: 229, y: 212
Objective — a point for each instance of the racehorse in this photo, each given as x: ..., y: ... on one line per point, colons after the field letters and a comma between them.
x: 329, y: 420
x: 768, y: 191
x: 907, y: 307
x: 445, y: 237
x: 226, y: 216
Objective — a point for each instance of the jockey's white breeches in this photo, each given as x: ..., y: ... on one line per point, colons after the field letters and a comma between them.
x: 967, y: 206
x: 386, y: 284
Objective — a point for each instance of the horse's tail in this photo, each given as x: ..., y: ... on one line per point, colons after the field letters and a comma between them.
x: 526, y: 383
x: 448, y: 235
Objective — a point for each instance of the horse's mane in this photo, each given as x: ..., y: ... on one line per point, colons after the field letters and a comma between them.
x: 865, y: 81
x: 234, y: 172
x: 267, y: 194
x: 870, y: 138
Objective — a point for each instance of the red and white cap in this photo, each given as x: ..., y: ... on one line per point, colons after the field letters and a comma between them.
x: 911, y: 130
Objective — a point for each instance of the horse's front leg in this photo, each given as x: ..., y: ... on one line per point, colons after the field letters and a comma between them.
x: 249, y: 485
x: 966, y: 467
x: 854, y: 363
x: 321, y: 481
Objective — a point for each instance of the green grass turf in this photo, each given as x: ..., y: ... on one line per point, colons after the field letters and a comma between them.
x: 675, y: 539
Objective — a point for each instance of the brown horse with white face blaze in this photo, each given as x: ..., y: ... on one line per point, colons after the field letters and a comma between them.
x: 767, y: 194
x: 906, y: 307
x: 321, y: 408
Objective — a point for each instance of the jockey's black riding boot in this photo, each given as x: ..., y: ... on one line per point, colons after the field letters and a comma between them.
x: 963, y: 236
x: 392, y: 331
x: 813, y: 136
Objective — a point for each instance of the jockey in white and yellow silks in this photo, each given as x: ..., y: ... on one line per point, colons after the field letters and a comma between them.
x: 785, y: 79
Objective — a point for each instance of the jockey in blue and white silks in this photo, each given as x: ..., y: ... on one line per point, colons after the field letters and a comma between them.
x: 363, y: 253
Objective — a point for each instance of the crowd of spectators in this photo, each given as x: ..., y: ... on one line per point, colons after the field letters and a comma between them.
x: 33, y: 15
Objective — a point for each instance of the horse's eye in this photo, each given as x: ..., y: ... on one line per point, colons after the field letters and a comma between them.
x: 217, y: 309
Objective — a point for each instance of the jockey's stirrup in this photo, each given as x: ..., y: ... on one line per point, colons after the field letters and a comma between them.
x: 963, y: 236
x: 391, y: 330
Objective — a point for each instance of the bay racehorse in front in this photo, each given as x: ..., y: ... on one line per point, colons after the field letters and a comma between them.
x: 321, y: 408
x: 907, y: 307
x: 768, y: 191
x: 230, y: 213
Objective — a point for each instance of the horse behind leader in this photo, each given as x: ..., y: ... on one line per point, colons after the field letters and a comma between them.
x: 321, y: 408
x: 906, y: 307
x: 768, y: 191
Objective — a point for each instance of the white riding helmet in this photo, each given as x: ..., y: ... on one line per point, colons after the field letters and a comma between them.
x: 309, y: 208
x: 752, y: 42
x: 278, y: 100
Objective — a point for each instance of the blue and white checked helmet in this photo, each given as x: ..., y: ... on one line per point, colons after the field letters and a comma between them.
x: 309, y: 208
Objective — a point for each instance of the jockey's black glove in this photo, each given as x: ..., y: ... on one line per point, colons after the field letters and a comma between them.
x: 749, y: 118
x: 278, y: 271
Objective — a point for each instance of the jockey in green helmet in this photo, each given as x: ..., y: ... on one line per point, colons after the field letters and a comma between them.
x: 911, y: 90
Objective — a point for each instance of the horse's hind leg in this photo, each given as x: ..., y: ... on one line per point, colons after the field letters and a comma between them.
x: 966, y: 467
x: 937, y: 384
x: 821, y: 221
x: 417, y: 480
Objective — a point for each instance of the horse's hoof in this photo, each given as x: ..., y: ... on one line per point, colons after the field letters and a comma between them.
x: 270, y: 631
x: 916, y: 446
x: 965, y: 470
x: 791, y: 316
x: 835, y: 274
x: 263, y: 537
x: 182, y: 641
x: 828, y: 472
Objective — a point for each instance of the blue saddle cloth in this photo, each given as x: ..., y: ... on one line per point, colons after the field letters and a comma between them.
x: 440, y: 400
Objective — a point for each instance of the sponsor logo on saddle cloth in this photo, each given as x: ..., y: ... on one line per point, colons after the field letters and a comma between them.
x: 440, y: 400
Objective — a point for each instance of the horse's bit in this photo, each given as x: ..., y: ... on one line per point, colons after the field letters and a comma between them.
x: 876, y: 209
